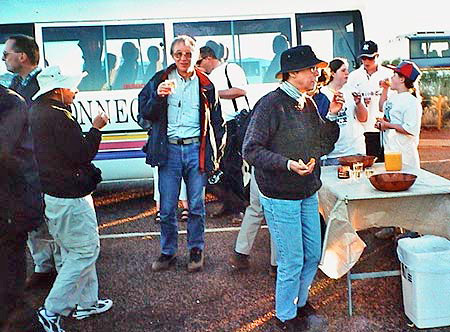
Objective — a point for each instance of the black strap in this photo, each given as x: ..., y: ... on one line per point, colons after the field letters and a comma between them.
x: 231, y: 86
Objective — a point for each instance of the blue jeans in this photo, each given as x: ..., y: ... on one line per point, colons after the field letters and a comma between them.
x: 182, y: 162
x: 295, y: 227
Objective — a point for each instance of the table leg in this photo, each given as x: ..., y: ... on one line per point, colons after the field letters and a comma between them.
x: 366, y: 275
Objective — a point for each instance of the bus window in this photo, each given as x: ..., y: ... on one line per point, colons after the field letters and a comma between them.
x: 139, y: 52
x: 77, y: 49
x: 332, y: 35
x: 7, y: 30
x: 253, y: 44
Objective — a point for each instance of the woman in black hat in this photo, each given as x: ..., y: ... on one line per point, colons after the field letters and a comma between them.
x: 285, y: 137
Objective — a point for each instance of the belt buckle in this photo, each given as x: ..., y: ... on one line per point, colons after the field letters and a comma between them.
x: 180, y: 141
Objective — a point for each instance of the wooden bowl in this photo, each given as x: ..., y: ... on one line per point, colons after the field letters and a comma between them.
x: 392, y: 181
x: 350, y: 160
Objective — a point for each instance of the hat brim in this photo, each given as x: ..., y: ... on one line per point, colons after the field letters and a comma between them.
x: 372, y: 55
x: 319, y: 64
x: 64, y: 82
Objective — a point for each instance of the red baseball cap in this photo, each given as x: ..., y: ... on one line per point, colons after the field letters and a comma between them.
x: 406, y: 68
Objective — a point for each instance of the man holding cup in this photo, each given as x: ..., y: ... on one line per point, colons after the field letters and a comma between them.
x: 185, y: 142
x: 364, y: 81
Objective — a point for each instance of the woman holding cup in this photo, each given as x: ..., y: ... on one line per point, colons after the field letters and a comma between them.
x: 402, y: 114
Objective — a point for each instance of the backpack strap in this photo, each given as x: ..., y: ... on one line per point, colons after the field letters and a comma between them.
x: 231, y: 86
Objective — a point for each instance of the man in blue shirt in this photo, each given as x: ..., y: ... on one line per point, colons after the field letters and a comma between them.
x: 186, y: 141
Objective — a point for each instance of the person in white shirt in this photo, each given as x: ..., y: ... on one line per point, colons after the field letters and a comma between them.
x: 402, y: 119
x: 365, y: 81
x: 403, y: 113
x: 231, y: 83
x: 351, y: 116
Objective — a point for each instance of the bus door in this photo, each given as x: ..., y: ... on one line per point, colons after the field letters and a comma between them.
x: 337, y: 34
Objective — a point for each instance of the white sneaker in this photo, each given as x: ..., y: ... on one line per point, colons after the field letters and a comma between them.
x: 49, y: 323
x: 98, y: 308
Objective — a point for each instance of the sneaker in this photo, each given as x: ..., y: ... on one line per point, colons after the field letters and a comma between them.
x: 163, y: 262
x: 40, y: 280
x: 196, y: 260
x: 49, y: 323
x: 184, y: 216
x: 98, y: 308
x: 239, y: 261
x: 157, y: 217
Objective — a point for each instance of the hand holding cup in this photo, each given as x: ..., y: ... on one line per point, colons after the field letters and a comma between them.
x: 166, y: 88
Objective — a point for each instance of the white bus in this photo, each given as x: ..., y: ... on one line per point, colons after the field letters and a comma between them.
x: 122, y: 43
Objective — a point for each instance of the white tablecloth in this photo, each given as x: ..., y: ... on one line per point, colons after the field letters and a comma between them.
x: 350, y: 205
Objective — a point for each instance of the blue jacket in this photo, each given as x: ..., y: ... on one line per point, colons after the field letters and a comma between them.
x: 212, y: 127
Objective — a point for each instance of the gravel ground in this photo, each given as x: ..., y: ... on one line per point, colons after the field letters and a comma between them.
x: 219, y: 298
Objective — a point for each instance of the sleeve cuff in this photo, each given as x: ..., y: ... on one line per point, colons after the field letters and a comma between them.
x: 331, y: 117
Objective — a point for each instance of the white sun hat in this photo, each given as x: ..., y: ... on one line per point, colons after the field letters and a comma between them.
x: 51, y: 78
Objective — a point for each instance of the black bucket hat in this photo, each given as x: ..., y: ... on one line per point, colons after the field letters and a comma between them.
x: 298, y: 58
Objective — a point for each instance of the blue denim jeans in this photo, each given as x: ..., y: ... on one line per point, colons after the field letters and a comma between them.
x: 295, y: 227
x: 182, y: 162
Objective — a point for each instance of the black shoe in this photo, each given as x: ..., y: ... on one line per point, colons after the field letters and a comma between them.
x: 239, y: 261
x: 163, y: 262
x: 196, y: 260
x: 273, y: 271
x: 288, y: 325
x: 310, y: 320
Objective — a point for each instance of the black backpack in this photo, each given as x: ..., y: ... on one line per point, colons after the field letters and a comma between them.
x: 242, y: 118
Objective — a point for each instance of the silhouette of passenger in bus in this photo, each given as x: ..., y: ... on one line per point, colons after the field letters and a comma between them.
x: 153, y: 55
x: 127, y: 72
x: 92, y: 53
x: 280, y: 43
x: 112, y: 60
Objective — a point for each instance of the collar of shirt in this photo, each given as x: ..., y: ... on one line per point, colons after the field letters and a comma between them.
x: 32, y: 73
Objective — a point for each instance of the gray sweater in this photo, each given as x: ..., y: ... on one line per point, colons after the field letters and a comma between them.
x: 278, y: 131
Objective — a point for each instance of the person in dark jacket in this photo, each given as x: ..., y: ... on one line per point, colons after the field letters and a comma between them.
x: 68, y: 178
x: 285, y: 138
x: 22, y: 208
x: 21, y: 57
x: 185, y: 141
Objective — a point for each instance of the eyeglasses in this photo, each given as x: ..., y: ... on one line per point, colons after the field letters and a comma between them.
x: 5, y: 54
x: 366, y: 58
x: 178, y: 55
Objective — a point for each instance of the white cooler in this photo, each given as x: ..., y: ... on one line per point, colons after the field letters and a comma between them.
x: 425, y: 269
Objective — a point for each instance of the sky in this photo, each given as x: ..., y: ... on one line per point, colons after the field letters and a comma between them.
x: 387, y: 19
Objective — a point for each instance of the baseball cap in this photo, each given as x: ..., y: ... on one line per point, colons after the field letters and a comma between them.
x: 369, y: 49
x: 406, y: 68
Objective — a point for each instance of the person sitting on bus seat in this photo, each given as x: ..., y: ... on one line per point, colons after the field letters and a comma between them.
x: 279, y: 45
x: 128, y: 70
x: 153, y: 54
